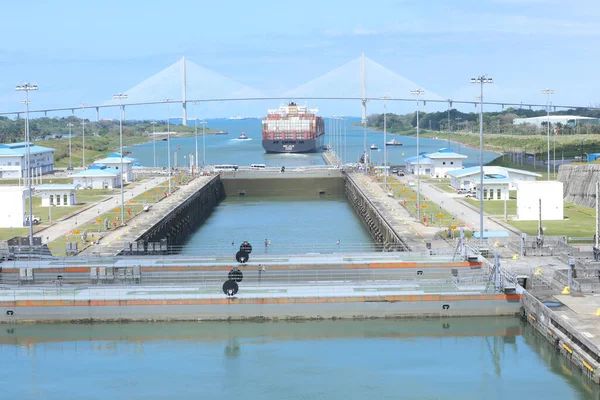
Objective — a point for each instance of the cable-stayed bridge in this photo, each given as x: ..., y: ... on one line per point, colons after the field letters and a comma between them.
x: 358, y: 82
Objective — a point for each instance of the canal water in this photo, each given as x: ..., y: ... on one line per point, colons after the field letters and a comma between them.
x: 292, y: 225
x: 459, y: 358
x: 227, y: 149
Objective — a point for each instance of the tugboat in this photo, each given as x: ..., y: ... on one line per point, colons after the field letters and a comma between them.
x: 374, y: 147
x: 243, y: 136
x: 393, y: 142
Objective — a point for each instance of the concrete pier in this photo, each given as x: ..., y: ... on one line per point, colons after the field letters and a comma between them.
x: 171, y: 219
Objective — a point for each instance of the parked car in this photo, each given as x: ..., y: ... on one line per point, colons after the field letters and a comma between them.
x: 462, y: 191
x: 470, y: 194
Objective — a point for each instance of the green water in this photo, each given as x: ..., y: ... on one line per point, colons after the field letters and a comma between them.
x: 293, y: 225
x: 459, y: 358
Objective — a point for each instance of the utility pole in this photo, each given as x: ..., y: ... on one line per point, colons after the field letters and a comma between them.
x: 26, y: 87
x: 417, y: 93
x: 154, y: 142
x: 70, y: 157
x: 548, y: 92
x: 481, y: 80
x: 121, y: 97
x: 385, y: 156
x: 83, y: 105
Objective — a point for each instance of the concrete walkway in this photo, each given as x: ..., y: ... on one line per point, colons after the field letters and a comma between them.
x: 395, y: 213
x: 452, y: 203
x: 114, y: 241
x: 58, y: 230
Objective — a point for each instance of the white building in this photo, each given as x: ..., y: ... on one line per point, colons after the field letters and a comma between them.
x: 436, y: 164
x: 528, y: 200
x: 444, y: 161
x: 62, y: 195
x: 98, y: 177
x: 13, y: 161
x: 424, y: 164
x: 494, y: 189
x: 571, y: 120
x: 469, y: 178
x: 13, y: 206
x: 114, y: 161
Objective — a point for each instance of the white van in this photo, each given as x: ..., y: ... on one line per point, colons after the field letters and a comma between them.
x: 258, y: 166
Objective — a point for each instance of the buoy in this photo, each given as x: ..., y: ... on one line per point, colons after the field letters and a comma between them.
x: 566, y: 290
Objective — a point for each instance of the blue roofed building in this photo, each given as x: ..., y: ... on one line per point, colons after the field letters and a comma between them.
x: 113, y: 161
x: 98, y: 177
x: 497, y: 181
x: 13, y: 160
x: 436, y: 164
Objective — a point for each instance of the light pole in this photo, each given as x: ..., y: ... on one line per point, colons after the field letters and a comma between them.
x: 70, y: 125
x: 449, y: 102
x: 196, y: 131
x: 480, y: 80
x: 385, y: 160
x: 457, y: 130
x: 26, y: 87
x: 83, y: 106
x: 154, y: 141
x: 203, y: 143
x: 169, y: 140
x: 417, y: 93
x: 548, y: 92
x: 120, y: 97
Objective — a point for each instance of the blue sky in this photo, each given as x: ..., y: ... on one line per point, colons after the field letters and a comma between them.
x: 82, y: 51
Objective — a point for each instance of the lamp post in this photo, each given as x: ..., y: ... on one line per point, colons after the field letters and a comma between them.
x: 26, y: 87
x: 169, y: 140
x: 548, y: 92
x: 196, y: 131
x: 417, y: 93
x: 457, y: 130
x: 203, y: 143
x: 154, y: 142
x: 70, y: 125
x: 120, y: 97
x: 83, y: 106
x: 481, y: 80
x: 449, y: 102
x: 385, y: 160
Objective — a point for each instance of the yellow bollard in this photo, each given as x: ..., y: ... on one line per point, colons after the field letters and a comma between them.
x: 598, y: 312
x: 516, y: 257
x: 566, y: 290
x: 538, y: 271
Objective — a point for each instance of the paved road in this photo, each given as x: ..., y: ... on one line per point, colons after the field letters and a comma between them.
x: 60, y: 228
x: 452, y: 204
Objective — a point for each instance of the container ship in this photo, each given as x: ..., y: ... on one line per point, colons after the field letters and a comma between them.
x: 292, y: 129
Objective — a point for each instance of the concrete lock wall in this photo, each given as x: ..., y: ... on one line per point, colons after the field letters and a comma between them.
x: 284, y: 186
x: 176, y: 225
x: 381, y: 232
x: 563, y: 336
x: 579, y: 183
x: 261, y: 308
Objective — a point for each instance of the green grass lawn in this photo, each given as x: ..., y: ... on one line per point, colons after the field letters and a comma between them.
x: 495, y: 207
x: 47, y: 179
x: 408, y: 196
x: 133, y: 207
x: 446, y: 187
x: 579, y: 222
